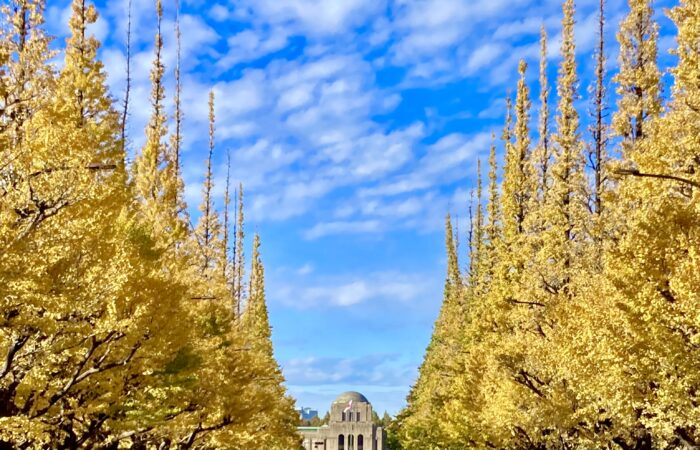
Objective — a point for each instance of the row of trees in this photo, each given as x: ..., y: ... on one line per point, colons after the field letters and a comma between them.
x: 577, y: 321
x: 121, y: 324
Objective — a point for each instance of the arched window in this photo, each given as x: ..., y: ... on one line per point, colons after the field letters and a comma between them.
x: 341, y: 442
x: 360, y: 442
x: 351, y: 442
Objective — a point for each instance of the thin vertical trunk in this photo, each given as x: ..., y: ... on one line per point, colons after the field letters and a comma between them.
x: 544, y: 117
x: 470, y: 235
x: 178, y: 91
x: 227, y: 206
x: 599, y: 130
x: 240, y: 257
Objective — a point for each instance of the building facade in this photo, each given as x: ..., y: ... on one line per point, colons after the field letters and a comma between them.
x: 307, y: 413
x: 350, y: 427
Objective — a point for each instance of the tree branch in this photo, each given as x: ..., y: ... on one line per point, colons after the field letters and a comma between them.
x: 93, y: 428
x: 92, y: 166
x: 12, y: 352
x: 112, y: 441
x: 187, y: 442
x: 80, y: 375
x: 637, y: 173
x: 527, y: 380
x: 524, y: 302
x: 549, y: 287
x: 688, y: 442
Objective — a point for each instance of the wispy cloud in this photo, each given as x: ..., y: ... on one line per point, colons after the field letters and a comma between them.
x: 306, y: 269
x: 249, y: 45
x: 310, y: 17
x: 374, y: 369
x: 446, y: 160
x: 305, y: 129
x: 322, y: 229
x: 349, y: 291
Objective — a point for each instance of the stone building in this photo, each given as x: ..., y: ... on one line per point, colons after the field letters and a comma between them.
x: 350, y: 427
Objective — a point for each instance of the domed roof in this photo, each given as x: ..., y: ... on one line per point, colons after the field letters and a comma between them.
x: 356, y: 397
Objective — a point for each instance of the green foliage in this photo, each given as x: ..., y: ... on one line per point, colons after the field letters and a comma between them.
x: 185, y: 359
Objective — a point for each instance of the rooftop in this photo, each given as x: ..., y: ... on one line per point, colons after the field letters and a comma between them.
x: 356, y: 397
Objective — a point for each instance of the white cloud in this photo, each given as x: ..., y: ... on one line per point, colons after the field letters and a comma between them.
x: 304, y: 130
x: 451, y: 152
x: 306, y: 269
x: 406, y: 210
x: 240, y: 96
x: 197, y: 38
x: 311, y: 16
x: 307, y: 131
x: 428, y: 27
x: 346, y: 291
x: 219, y: 13
x: 114, y: 62
x: 496, y: 109
x: 322, y: 229
x: 586, y: 33
x: 377, y: 369
x: 483, y: 56
x: 509, y: 30
x: 289, y: 199
x: 434, y: 37
x: 445, y: 161
x: 295, y: 97
x: 250, y: 44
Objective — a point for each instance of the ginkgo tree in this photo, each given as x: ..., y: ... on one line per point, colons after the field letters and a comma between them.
x: 115, y: 329
x: 581, y: 301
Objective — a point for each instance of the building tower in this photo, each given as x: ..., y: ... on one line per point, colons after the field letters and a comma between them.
x: 350, y: 427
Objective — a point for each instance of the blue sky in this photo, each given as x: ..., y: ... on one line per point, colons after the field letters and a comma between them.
x: 355, y: 126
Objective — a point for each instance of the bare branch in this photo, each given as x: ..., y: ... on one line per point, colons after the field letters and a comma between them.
x: 637, y: 173
x: 92, y: 166
x: 125, y: 111
x: 80, y: 375
x: 187, y: 442
x: 686, y: 439
x: 524, y: 302
x: 16, y: 346
x: 527, y: 379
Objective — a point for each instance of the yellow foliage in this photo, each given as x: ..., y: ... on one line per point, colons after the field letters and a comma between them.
x: 112, y: 332
x: 577, y: 338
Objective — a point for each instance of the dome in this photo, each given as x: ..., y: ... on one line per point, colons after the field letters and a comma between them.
x: 356, y: 397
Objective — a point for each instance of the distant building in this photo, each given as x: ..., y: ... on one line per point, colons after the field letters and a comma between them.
x: 350, y: 427
x: 307, y: 413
